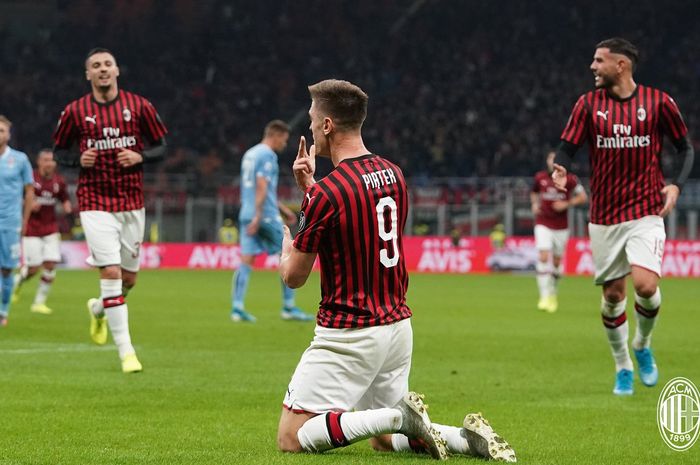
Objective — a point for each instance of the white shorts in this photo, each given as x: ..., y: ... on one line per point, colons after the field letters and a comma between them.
x: 114, y: 238
x: 40, y: 249
x: 345, y: 369
x: 616, y: 247
x: 551, y: 239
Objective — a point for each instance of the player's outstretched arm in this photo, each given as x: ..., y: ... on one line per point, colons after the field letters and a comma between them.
x: 295, y: 266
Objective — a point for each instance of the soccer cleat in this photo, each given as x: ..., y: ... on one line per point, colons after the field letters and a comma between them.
x: 552, y: 304
x: 238, y: 315
x: 542, y: 303
x: 3, y: 321
x: 623, y: 383
x: 416, y: 424
x: 483, y: 440
x: 295, y: 313
x: 40, y: 308
x: 131, y: 364
x: 98, y: 325
x: 648, y: 372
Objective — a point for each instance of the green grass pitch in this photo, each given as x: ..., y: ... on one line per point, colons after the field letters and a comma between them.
x: 211, y: 390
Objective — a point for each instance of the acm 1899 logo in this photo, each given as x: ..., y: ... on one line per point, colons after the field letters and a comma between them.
x: 678, y: 414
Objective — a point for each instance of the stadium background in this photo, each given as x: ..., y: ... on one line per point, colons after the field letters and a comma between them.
x: 465, y: 95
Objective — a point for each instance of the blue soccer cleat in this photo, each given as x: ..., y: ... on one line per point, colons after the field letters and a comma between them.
x: 295, y: 313
x: 623, y: 383
x: 648, y: 372
x: 238, y: 315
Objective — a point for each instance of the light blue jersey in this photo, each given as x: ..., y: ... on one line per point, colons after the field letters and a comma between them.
x: 15, y: 173
x: 260, y: 161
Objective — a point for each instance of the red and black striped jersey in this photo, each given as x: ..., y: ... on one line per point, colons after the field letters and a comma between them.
x: 127, y: 122
x: 354, y: 219
x: 625, y: 138
x: 548, y: 193
x: 47, y: 192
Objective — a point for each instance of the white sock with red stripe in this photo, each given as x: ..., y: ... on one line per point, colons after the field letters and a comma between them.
x: 646, y: 310
x: 544, y: 278
x: 117, y: 315
x: 456, y: 443
x: 333, y: 429
x: 617, y: 330
x: 42, y: 291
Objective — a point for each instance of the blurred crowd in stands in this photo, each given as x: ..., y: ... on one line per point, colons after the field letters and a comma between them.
x: 457, y: 88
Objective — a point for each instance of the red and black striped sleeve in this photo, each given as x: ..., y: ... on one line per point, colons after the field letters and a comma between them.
x: 577, y: 127
x: 314, y: 220
x: 671, y: 119
x: 66, y: 129
x: 151, y: 124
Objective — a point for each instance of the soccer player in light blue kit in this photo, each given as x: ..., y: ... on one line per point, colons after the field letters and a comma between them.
x: 259, y: 219
x: 16, y: 183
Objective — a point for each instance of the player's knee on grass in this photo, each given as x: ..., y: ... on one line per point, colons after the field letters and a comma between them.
x: 288, y: 430
x: 287, y: 441
x: 111, y: 272
x: 381, y: 443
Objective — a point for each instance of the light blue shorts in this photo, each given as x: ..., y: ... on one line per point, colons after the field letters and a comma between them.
x: 9, y: 248
x: 268, y: 239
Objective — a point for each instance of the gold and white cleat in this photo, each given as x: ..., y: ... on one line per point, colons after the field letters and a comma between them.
x: 484, y: 442
x: 98, y: 326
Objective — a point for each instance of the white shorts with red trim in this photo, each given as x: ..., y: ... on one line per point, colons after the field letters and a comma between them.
x: 346, y: 369
x: 114, y: 238
x: 617, y: 247
x: 550, y: 239
x: 39, y: 249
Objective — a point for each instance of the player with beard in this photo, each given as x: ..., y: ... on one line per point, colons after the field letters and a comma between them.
x: 624, y: 123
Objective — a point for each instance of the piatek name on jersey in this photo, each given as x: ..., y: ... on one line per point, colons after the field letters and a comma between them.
x: 111, y: 140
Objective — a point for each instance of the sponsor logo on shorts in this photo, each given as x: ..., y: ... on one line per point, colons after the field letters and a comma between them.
x: 678, y: 414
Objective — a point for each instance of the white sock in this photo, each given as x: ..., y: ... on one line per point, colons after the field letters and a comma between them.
x: 617, y: 330
x: 333, y: 429
x: 544, y: 276
x: 42, y: 291
x: 117, y: 315
x: 646, y: 310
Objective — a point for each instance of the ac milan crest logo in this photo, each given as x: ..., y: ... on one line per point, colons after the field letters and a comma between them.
x: 126, y: 114
x: 678, y: 414
x: 641, y: 114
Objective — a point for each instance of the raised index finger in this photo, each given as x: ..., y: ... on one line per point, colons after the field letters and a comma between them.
x: 302, y: 148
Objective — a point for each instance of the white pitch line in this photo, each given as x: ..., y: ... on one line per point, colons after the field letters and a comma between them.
x: 53, y: 348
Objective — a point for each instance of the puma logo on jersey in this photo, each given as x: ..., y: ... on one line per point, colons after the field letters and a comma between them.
x: 309, y: 197
x: 91, y: 119
x: 603, y: 115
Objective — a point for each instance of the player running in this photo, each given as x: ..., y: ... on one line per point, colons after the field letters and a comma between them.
x: 106, y: 133
x: 41, y: 241
x: 624, y: 124
x: 550, y: 207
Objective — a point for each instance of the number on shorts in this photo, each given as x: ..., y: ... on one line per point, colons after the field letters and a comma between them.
x: 391, y: 235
